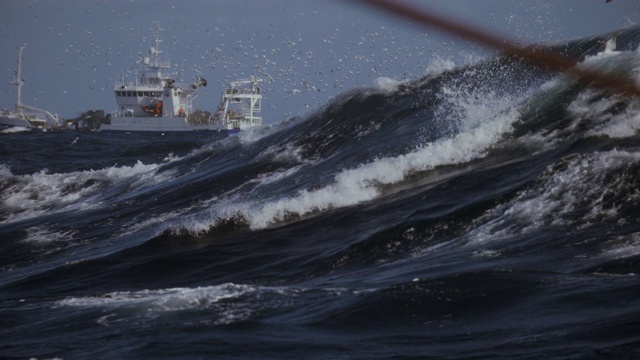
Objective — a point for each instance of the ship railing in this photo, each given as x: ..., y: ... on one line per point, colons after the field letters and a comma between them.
x: 253, y: 120
x: 128, y: 84
x: 235, y: 91
x: 123, y: 113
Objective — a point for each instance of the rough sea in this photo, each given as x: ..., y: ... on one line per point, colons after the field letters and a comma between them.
x: 486, y: 211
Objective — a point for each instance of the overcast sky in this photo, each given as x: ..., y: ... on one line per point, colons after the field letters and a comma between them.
x: 307, y: 51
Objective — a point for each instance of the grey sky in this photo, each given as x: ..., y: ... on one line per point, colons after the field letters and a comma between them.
x: 309, y: 50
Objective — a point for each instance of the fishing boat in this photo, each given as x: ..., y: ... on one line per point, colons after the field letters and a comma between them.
x: 23, y: 116
x: 239, y: 107
x: 154, y: 102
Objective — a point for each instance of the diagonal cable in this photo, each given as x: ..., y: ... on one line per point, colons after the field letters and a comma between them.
x: 537, y: 56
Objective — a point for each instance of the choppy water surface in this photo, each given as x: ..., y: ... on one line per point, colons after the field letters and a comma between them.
x: 487, y: 211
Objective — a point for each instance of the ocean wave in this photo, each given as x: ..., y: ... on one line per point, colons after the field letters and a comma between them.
x: 28, y: 196
x: 227, y: 303
x: 577, y: 191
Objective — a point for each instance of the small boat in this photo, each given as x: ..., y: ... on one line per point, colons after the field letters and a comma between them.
x: 23, y: 116
x: 154, y: 102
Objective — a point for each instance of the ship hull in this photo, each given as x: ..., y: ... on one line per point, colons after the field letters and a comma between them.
x: 160, y: 125
x: 9, y: 122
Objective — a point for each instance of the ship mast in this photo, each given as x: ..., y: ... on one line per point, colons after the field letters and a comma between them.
x: 17, y: 79
x: 154, y: 53
x: 153, y: 63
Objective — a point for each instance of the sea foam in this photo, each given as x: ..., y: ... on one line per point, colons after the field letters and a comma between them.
x: 486, y: 119
x: 27, y: 196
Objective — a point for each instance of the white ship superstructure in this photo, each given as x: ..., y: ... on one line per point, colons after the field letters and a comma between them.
x: 241, y: 102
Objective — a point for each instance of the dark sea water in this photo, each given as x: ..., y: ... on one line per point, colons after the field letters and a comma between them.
x: 481, y: 212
